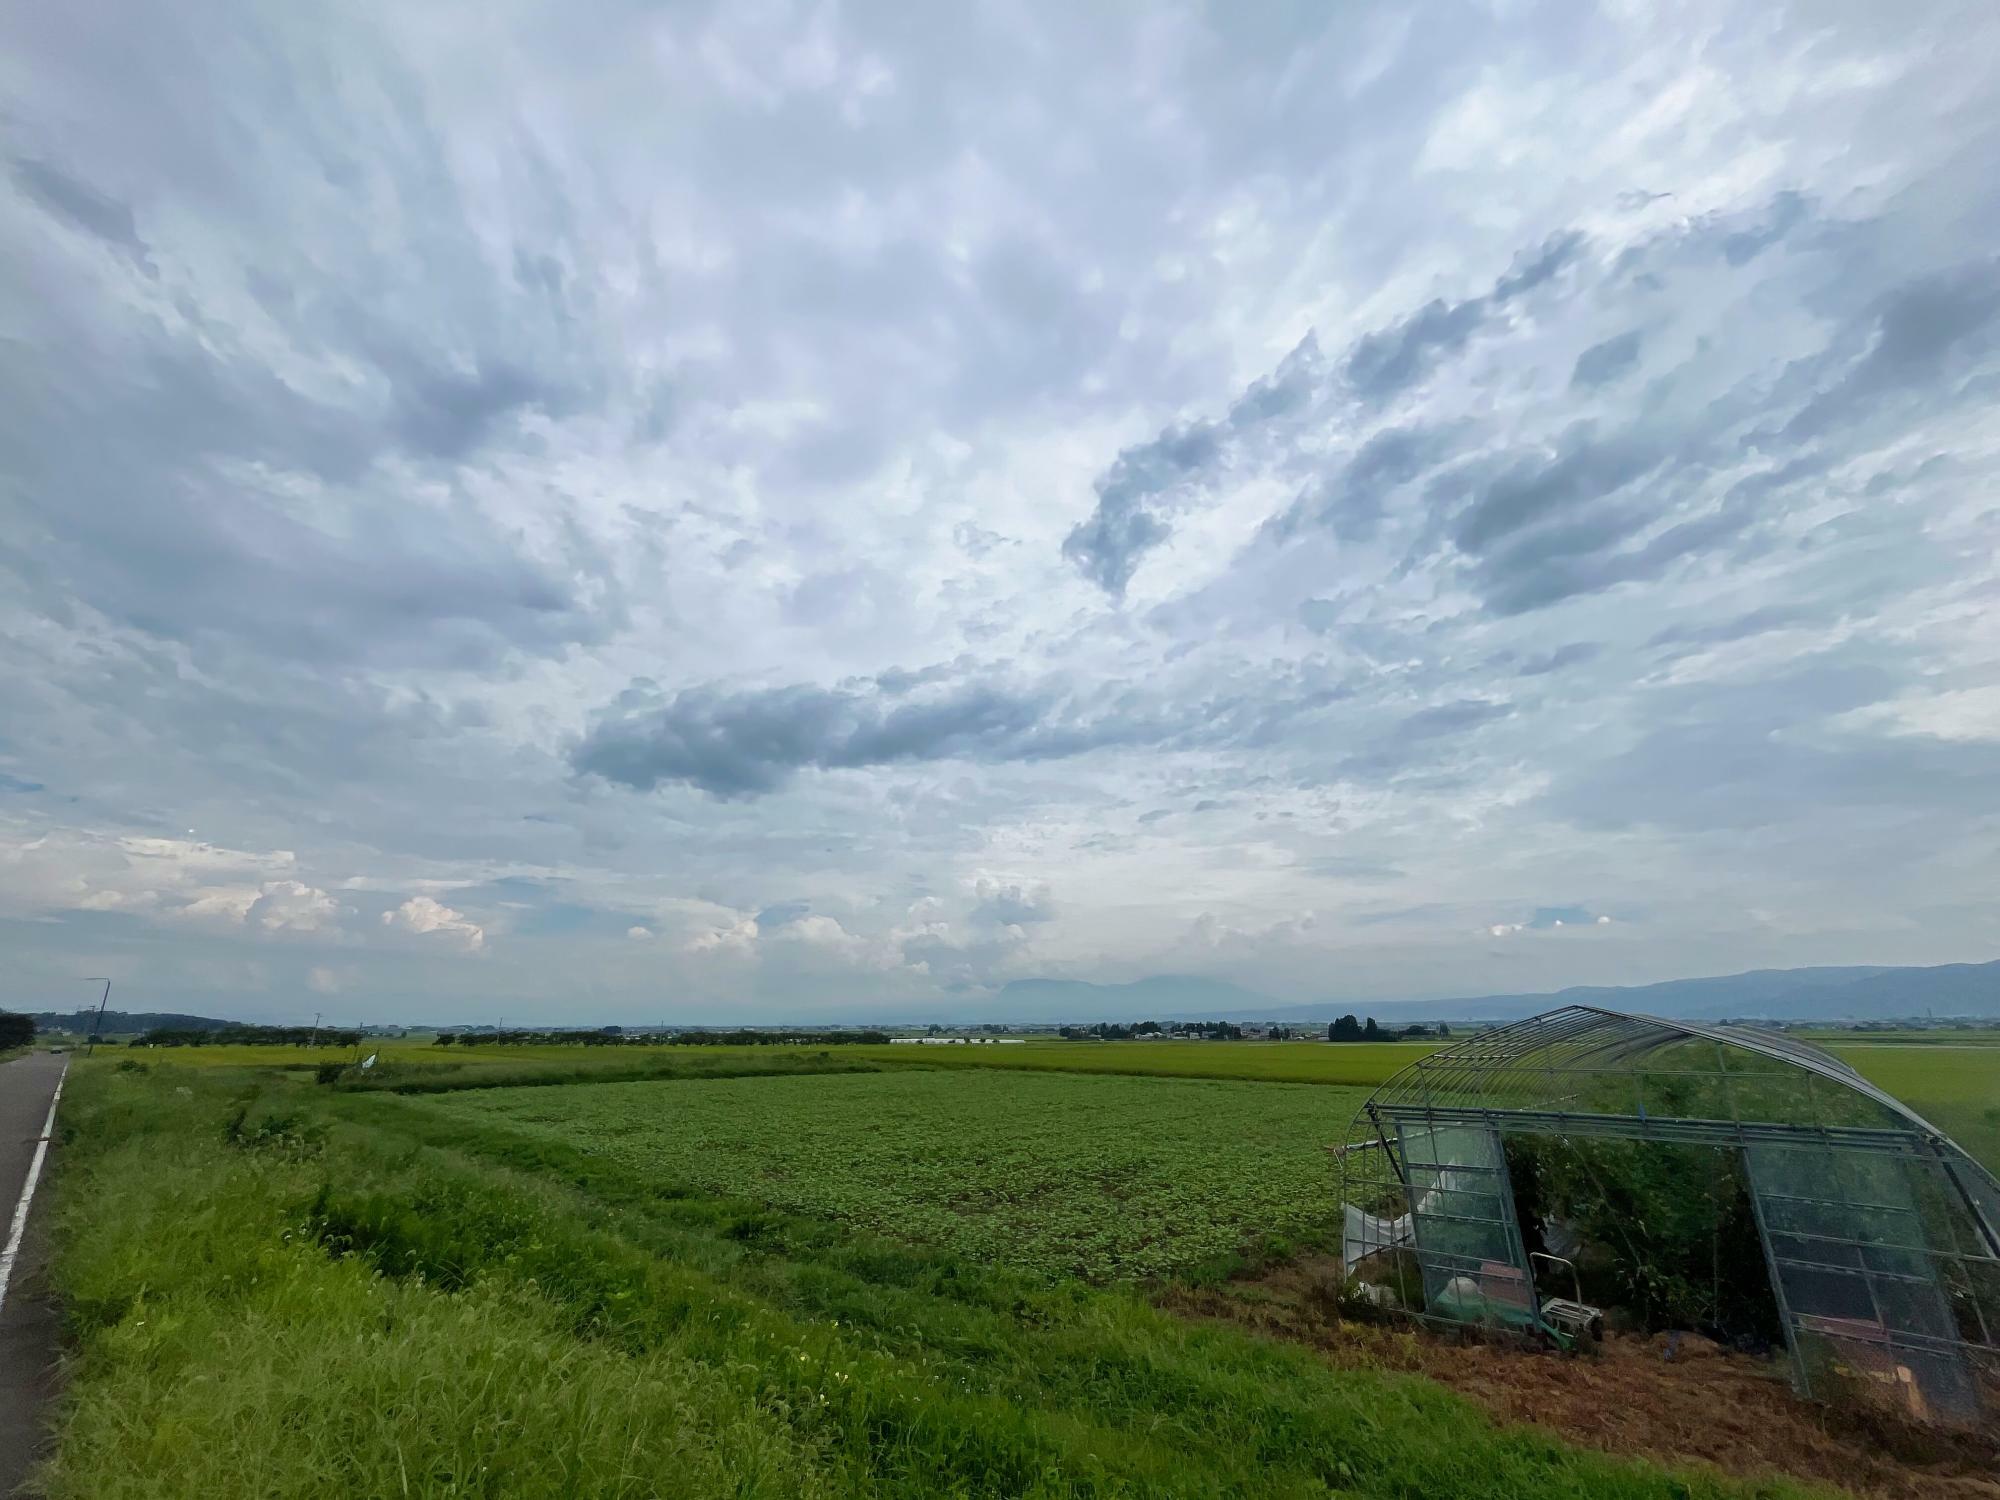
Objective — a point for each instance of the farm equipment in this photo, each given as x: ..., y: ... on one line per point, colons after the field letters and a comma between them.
x: 1570, y: 1322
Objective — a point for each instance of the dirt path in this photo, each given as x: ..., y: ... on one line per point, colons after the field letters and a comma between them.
x: 27, y: 1317
x: 1675, y: 1400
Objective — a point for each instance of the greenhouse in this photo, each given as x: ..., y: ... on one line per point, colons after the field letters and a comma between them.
x: 1711, y: 1175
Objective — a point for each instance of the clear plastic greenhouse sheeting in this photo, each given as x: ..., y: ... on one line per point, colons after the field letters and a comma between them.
x: 1458, y: 1228
x: 1462, y: 1221
x: 1869, y: 1253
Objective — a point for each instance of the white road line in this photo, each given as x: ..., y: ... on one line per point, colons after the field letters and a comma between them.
x: 28, y: 1190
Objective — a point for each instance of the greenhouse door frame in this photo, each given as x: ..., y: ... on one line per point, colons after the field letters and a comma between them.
x: 1464, y: 1230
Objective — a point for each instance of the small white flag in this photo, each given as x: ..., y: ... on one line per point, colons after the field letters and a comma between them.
x: 369, y: 1063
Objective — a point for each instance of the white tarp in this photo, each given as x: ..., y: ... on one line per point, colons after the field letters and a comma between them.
x: 1364, y: 1234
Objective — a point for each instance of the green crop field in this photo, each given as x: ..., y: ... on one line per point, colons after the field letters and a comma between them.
x: 1952, y: 1078
x: 401, y: 1053
x: 1850, y: 1037
x: 1094, y: 1176
x: 303, y: 1059
x: 418, y: 1067
x: 1356, y: 1063
x: 1956, y: 1088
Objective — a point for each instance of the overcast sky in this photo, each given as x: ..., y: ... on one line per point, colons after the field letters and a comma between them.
x: 765, y: 511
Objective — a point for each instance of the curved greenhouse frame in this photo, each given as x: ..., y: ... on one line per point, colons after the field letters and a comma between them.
x: 1881, y: 1237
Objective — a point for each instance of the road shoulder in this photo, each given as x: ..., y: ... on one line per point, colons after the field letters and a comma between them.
x: 29, y: 1324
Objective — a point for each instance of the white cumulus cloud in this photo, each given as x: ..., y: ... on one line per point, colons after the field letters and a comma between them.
x: 423, y: 914
x: 293, y: 906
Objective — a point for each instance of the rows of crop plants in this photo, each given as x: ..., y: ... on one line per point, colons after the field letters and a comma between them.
x: 1953, y: 1079
x: 1059, y: 1175
x: 285, y: 1290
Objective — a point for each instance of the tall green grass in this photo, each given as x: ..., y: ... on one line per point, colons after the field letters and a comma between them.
x: 225, y: 1354
x: 307, y: 1293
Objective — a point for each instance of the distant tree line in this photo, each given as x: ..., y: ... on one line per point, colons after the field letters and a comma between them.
x: 617, y: 1036
x: 1348, y: 1029
x: 246, y: 1036
x: 1102, y: 1031
x: 15, y: 1030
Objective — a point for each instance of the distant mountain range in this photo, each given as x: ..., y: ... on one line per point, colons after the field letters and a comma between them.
x: 1825, y: 994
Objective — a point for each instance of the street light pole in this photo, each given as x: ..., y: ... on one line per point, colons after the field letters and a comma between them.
x: 103, y: 1000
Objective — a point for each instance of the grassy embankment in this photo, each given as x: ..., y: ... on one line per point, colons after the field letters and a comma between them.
x: 277, y: 1289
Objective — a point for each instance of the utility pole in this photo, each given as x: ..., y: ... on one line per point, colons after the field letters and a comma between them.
x: 313, y: 1041
x: 103, y: 1000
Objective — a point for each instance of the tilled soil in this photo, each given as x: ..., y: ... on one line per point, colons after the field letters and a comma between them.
x: 1676, y: 1399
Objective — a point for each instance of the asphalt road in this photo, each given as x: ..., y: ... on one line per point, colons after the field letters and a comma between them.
x: 27, y: 1318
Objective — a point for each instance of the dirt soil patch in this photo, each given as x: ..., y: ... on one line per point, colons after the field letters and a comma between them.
x: 1675, y: 1398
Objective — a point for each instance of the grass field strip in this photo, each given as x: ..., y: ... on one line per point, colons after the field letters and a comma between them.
x: 20, y: 1224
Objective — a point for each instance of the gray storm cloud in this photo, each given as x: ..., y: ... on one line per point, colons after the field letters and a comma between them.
x: 1134, y: 495
x: 744, y: 744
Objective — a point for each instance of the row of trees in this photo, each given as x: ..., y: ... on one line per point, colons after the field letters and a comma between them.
x: 16, y: 1030
x: 1348, y: 1029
